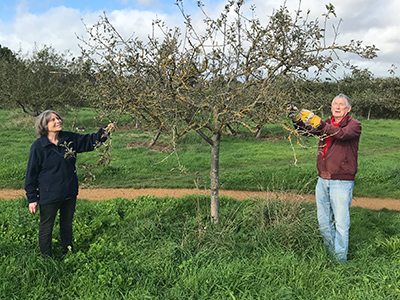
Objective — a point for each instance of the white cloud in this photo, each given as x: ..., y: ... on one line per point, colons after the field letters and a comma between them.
x: 128, y: 22
x: 373, y: 22
x: 56, y: 27
x: 367, y: 20
x: 60, y: 26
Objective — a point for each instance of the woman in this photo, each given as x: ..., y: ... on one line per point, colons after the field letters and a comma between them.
x: 51, y: 182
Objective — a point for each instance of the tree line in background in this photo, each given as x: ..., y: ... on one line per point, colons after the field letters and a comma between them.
x: 41, y: 80
x: 50, y: 79
x: 377, y: 98
x: 234, y: 72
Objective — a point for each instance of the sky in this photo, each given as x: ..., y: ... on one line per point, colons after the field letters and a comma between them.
x: 26, y: 24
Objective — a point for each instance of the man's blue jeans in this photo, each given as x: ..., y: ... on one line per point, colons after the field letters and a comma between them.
x: 333, y: 202
x: 48, y: 213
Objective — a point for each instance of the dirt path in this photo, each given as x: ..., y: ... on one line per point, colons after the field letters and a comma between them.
x: 103, y: 194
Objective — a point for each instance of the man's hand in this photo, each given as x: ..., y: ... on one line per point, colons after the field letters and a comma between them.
x: 309, y: 118
x: 304, y: 115
x: 33, y: 207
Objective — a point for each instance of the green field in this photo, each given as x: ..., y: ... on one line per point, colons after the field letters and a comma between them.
x: 168, y: 248
x: 245, y: 163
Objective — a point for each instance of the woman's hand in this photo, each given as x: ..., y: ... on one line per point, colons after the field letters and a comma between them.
x: 33, y: 207
x: 110, y: 126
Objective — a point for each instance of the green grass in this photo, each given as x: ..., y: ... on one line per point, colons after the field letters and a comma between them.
x: 167, y: 248
x: 245, y: 163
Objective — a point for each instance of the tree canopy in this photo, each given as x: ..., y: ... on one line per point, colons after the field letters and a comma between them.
x: 46, y: 79
x: 236, y: 72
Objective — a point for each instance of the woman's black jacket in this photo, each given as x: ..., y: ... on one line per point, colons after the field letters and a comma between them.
x: 51, y: 173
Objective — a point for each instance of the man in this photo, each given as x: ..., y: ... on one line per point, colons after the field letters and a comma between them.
x: 337, y: 167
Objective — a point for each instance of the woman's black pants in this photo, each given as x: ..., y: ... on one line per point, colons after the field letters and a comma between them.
x: 48, y: 213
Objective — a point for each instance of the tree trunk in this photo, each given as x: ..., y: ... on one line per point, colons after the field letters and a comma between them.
x: 74, y: 121
x: 152, y: 143
x: 214, y: 142
x: 216, y: 139
x: 258, y: 132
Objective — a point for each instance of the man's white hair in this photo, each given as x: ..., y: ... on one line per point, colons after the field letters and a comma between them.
x: 343, y: 96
